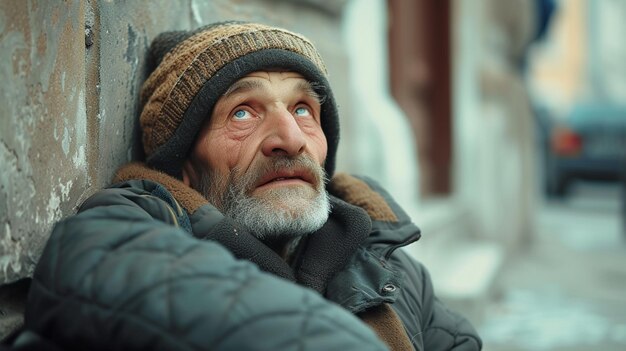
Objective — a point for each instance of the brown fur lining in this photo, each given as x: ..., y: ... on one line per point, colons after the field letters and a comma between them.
x: 387, y: 325
x: 358, y: 193
x: 190, y: 199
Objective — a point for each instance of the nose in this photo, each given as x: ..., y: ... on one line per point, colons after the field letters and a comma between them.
x: 284, y: 137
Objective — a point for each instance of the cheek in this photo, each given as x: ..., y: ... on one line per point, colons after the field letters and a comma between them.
x: 231, y: 150
x: 218, y: 152
x: 319, y: 146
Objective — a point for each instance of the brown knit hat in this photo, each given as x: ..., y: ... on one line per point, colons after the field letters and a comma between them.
x: 193, y: 69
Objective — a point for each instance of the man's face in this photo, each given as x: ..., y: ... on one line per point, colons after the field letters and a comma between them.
x: 259, y: 158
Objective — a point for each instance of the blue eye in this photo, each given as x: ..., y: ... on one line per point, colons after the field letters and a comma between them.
x: 241, y: 114
x: 302, y: 112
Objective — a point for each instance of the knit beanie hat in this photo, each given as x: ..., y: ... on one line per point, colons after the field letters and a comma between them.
x: 192, y: 70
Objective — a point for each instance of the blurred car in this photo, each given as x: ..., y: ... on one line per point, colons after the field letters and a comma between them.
x: 589, y: 144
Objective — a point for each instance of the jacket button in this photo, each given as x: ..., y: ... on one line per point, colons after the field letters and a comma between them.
x: 389, y: 288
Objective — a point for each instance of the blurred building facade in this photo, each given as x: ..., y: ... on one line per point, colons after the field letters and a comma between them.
x: 461, y: 82
x: 585, y: 59
x: 450, y: 141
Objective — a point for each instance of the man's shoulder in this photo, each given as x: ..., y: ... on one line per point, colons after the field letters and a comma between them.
x: 146, y: 196
x: 368, y: 194
x: 122, y: 192
x: 390, y: 223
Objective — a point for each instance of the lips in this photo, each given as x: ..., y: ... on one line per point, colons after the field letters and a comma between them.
x: 287, y: 175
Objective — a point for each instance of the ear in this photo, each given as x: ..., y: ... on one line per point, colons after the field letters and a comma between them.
x: 190, y: 177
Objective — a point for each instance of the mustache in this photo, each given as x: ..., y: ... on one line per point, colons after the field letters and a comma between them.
x: 223, y: 190
x: 260, y: 168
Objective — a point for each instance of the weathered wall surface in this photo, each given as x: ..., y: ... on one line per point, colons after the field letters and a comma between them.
x: 43, y: 147
x: 70, y: 76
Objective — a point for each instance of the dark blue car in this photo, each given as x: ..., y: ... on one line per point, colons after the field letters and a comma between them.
x: 589, y: 144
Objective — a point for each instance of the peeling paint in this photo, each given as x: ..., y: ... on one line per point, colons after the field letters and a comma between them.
x: 79, y: 159
x: 52, y: 209
x: 65, y: 189
x: 8, y: 247
x: 65, y: 144
x: 58, y: 195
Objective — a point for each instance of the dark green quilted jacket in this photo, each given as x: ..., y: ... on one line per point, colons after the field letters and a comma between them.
x: 129, y: 272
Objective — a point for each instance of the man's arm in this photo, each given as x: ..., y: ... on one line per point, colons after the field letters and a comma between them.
x: 121, y: 275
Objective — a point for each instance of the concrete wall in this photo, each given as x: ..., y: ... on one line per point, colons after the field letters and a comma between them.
x: 70, y: 76
x: 44, y: 125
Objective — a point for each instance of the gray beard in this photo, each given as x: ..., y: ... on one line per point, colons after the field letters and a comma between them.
x: 286, y: 212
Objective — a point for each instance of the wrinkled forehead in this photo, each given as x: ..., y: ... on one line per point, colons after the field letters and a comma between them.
x: 269, y: 76
x: 267, y: 80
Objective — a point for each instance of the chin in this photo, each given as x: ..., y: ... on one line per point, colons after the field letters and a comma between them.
x: 291, y: 201
x: 280, y: 212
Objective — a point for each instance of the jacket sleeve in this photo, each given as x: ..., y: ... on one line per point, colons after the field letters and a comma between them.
x: 121, y: 275
x: 438, y: 328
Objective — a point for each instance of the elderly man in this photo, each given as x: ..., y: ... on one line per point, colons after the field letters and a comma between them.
x: 235, y: 233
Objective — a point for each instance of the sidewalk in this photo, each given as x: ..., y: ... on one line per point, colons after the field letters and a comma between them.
x: 568, y: 292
